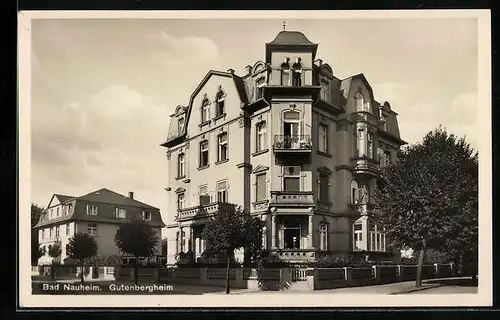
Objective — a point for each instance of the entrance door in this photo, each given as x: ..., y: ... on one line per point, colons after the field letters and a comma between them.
x: 291, y: 133
x: 292, y: 238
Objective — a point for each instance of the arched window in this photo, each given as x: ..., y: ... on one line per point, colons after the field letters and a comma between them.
x: 203, y: 154
x: 260, y: 142
x: 323, y: 236
x: 297, y: 73
x: 359, y: 102
x: 180, y: 123
x: 360, y: 140
x: 205, y: 111
x: 219, y: 100
x: 358, y: 235
x: 354, y: 192
x: 285, y: 73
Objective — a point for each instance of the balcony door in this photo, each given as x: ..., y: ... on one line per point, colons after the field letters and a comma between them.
x: 291, y: 129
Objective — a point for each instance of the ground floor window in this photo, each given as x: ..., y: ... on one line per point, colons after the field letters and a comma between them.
x: 323, y: 237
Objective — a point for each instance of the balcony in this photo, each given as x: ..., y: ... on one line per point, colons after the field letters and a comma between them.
x: 366, y: 166
x: 292, y: 255
x: 292, y: 198
x: 362, y: 209
x: 196, y: 212
x: 292, y: 144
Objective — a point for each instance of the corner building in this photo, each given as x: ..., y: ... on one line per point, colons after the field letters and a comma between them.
x: 289, y: 141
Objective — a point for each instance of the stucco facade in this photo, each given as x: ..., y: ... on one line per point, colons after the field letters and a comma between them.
x: 96, y: 214
x: 290, y: 142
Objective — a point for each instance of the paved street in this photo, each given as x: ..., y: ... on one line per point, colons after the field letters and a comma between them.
x: 448, y: 290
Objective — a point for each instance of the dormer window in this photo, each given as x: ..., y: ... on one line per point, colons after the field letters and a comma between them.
x: 180, y: 124
x: 219, y: 100
x: 259, y: 88
x: 91, y: 210
x: 205, y: 111
x: 297, y: 73
x: 360, y: 104
x: 325, y: 90
x: 146, y: 215
x: 285, y: 73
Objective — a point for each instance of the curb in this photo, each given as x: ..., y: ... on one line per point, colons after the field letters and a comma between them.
x: 414, y: 289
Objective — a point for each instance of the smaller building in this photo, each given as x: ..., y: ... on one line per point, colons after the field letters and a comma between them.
x: 99, y: 213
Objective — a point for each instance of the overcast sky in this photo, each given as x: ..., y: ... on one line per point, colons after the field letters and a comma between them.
x: 103, y: 90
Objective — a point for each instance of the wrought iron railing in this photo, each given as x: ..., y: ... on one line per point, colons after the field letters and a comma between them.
x: 295, y: 142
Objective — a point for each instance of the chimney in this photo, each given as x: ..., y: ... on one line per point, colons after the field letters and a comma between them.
x: 248, y: 69
x: 230, y: 71
x: 131, y: 195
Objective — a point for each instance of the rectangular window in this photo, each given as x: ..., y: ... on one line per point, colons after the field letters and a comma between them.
x: 220, y: 103
x: 323, y: 187
x: 222, y: 192
x: 120, y: 213
x: 181, y: 125
x: 223, y: 148
x: 183, y: 240
x: 57, y: 212
x: 181, y: 199
x: 58, y: 231
x: 387, y: 157
x: 323, y: 138
x: 261, y: 137
x: 370, y: 145
x: 68, y: 229
x: 204, y: 154
x: 204, y: 196
x: 146, y: 215
x: 91, y: 210
x: 291, y: 179
x: 259, y: 85
x: 261, y: 187
x: 92, y: 229
x: 181, y: 165
x: 43, y: 234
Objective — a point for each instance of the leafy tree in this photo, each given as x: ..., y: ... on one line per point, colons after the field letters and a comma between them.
x: 80, y: 247
x: 54, y: 252
x: 138, y: 239
x: 427, y: 199
x: 231, y: 228
x: 164, y: 247
x: 36, y: 250
x: 36, y: 212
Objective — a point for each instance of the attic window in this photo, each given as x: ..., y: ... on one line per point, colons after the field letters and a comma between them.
x: 181, y: 125
x: 259, y: 87
x: 219, y: 99
x: 146, y: 215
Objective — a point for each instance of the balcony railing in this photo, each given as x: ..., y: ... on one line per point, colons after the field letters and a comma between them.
x: 292, y: 255
x: 197, y: 211
x: 292, y: 143
x: 292, y: 198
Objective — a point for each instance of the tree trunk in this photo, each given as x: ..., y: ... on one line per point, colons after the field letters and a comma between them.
x: 52, y: 275
x: 418, y: 282
x: 82, y: 270
x: 136, y: 270
x: 227, y: 274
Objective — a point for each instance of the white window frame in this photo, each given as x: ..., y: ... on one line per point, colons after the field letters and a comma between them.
x: 57, y: 212
x: 370, y: 144
x: 43, y: 234
x: 222, y: 192
x: 181, y: 165
x: 221, y: 144
x: 219, y: 98
x: 181, y: 201
x: 92, y: 210
x: 294, y: 176
x: 205, y: 111
x: 68, y: 229
x: 202, y: 150
x: 323, y: 237
x: 358, y: 236
x: 321, y: 197
x: 180, y: 124
x: 360, y: 104
x: 119, y: 212
x: 259, y: 88
x: 323, y: 137
x: 92, y: 229
x: 261, y: 135
x: 146, y: 215
x: 257, y: 175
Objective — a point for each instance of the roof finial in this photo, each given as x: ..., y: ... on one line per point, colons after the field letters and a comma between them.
x: 284, y: 25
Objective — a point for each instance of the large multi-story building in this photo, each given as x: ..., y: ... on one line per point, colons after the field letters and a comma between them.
x: 290, y: 142
x: 99, y: 213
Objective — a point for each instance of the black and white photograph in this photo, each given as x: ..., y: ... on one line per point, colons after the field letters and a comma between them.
x: 255, y: 159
